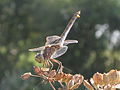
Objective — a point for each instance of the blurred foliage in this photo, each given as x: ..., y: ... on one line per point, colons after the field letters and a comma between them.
x: 24, y: 24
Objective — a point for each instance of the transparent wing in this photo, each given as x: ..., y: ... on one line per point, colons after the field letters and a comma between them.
x: 60, y: 52
x: 70, y: 42
x: 37, y: 49
x: 51, y: 39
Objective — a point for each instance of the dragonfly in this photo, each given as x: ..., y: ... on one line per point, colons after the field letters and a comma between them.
x: 55, y: 46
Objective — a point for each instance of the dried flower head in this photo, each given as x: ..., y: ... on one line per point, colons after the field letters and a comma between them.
x: 74, y: 83
x: 106, y: 81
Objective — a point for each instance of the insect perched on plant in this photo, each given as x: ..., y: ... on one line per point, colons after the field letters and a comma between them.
x: 55, y: 46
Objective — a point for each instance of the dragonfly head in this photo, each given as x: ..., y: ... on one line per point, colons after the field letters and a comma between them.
x: 39, y: 57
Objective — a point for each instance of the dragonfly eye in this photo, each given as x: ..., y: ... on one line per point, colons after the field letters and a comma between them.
x: 39, y: 58
x: 38, y: 55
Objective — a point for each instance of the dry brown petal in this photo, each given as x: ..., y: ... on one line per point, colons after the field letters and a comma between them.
x: 78, y: 78
x: 52, y: 74
x: 26, y: 75
x: 106, y: 79
x: 41, y: 71
x: 87, y: 85
x: 109, y: 87
x: 114, y: 77
x: 111, y: 77
x: 66, y: 78
x: 74, y: 83
x: 36, y: 69
x: 107, y: 76
x: 117, y: 86
x: 45, y: 69
x: 75, y: 86
x: 98, y: 78
x: 59, y: 76
x: 70, y: 84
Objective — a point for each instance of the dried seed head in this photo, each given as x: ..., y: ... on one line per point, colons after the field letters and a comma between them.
x: 106, y: 81
x: 78, y: 78
x: 74, y: 83
x: 98, y: 78
x: 26, y: 75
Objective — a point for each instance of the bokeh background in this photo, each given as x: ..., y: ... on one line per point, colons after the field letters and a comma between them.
x: 24, y: 24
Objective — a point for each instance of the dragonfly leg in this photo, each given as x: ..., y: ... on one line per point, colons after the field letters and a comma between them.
x: 52, y: 85
x: 60, y: 67
x: 51, y: 65
x: 61, y: 84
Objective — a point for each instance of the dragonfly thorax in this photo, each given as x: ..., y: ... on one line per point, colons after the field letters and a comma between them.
x: 49, y: 51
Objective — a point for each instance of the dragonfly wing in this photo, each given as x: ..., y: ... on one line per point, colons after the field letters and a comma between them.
x: 60, y: 52
x: 52, y: 39
x: 70, y: 42
x: 37, y: 49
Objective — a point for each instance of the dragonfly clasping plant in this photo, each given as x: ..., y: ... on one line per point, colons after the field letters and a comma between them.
x: 54, y: 47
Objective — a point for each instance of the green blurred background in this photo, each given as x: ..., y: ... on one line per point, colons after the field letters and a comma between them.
x: 24, y: 24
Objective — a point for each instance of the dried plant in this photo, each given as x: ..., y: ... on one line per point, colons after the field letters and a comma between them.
x: 105, y: 81
x: 71, y: 81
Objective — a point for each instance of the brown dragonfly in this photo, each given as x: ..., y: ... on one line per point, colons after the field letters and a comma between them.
x: 55, y: 46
